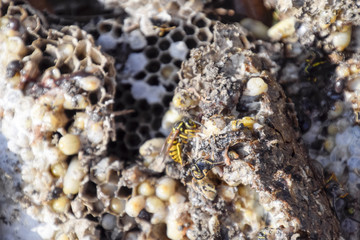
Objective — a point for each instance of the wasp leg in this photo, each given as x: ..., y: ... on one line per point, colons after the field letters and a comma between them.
x: 226, y: 156
x: 183, y: 136
x: 230, y: 155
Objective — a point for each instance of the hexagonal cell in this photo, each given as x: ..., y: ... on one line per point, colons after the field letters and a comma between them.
x: 153, y: 66
x: 104, y: 27
x: 145, y: 116
x: 170, y: 87
x: 176, y: 79
x: 107, y: 189
x: 153, y: 80
x: 142, y: 105
x: 191, y: 43
x: 140, y: 75
x: 152, y: 52
x: 165, y: 58
x: 167, y: 71
x: 203, y: 35
x: 156, y: 124
x: 108, y: 221
x: 124, y: 192
x: 133, y: 140
x: 177, y: 63
x: 117, y: 31
x: 46, y: 63
x: 96, y: 208
x: 131, y: 126
x: 152, y: 40
x: 88, y: 191
x: 113, y: 176
x: 157, y: 109
x: 128, y: 99
x: 144, y: 131
x: 164, y: 44
x: 189, y: 30
x: 167, y: 99
x: 200, y: 21
x: 177, y: 35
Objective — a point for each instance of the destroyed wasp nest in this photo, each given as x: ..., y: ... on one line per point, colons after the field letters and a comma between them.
x: 320, y: 76
x: 57, y: 91
x: 230, y: 185
x: 249, y: 135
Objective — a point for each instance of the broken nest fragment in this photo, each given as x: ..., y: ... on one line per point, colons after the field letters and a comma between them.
x: 56, y: 94
x: 247, y: 144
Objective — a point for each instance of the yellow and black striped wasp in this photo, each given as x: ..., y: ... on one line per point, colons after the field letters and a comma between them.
x: 180, y: 133
x: 201, y: 167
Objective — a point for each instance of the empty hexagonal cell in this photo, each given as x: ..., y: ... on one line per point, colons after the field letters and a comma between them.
x: 124, y: 192
x: 132, y: 140
x: 177, y: 35
x: 164, y: 44
x: 189, y: 30
x: 167, y: 71
x: 153, y: 80
x: 156, y: 123
x: 145, y: 116
x: 152, y: 52
x: 151, y: 40
x: 203, y: 35
x: 170, y: 87
x: 144, y: 131
x: 104, y: 27
x: 165, y: 58
x: 140, y: 75
x: 157, y: 109
x: 167, y: 99
x: 131, y: 126
x: 88, y: 191
x: 200, y: 21
x: 46, y: 63
x: 142, y: 105
x: 177, y: 63
x: 191, y: 43
x: 128, y: 99
x: 117, y: 31
x: 113, y: 176
x: 153, y: 66
x: 176, y: 79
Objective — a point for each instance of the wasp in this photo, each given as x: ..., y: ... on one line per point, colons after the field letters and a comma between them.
x: 341, y: 201
x: 180, y: 133
x: 201, y: 167
x: 205, y: 187
x: 238, y: 124
x: 315, y: 64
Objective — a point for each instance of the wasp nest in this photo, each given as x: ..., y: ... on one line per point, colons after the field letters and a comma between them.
x: 149, y: 47
x: 56, y: 94
x: 248, y: 138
